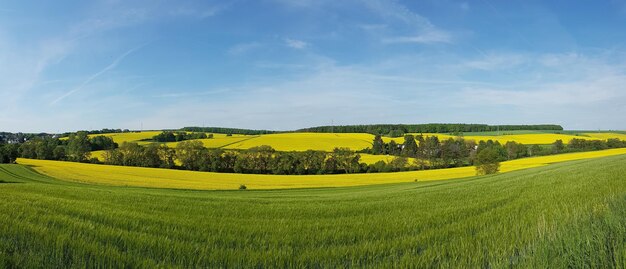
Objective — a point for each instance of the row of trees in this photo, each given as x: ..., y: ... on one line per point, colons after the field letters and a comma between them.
x: 9, y: 152
x: 396, y: 130
x: 192, y: 155
x: 101, y: 131
x: 169, y: 136
x: 447, y: 153
x: 577, y: 144
x: 77, y: 148
x: 459, y: 152
x: 222, y: 130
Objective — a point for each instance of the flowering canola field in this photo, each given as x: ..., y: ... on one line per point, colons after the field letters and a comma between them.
x: 605, y: 136
x: 178, y: 179
x: 354, y: 141
x: 306, y: 141
x: 218, y: 140
x: 127, y: 137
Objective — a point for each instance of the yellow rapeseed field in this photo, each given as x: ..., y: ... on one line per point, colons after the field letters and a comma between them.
x: 178, y: 179
x: 371, y: 159
x: 218, y: 140
x: 605, y: 136
x: 98, y: 154
x: 306, y: 141
x: 130, y: 137
x: 354, y: 141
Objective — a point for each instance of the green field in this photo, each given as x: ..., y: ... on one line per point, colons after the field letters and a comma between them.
x: 571, y: 214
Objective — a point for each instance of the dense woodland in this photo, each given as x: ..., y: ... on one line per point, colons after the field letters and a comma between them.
x: 101, y: 131
x: 397, y: 130
x: 221, y: 130
x: 414, y: 153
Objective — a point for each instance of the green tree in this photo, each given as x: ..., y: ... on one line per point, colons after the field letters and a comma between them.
x: 190, y: 154
x: 150, y: 156
x: 311, y: 162
x: 615, y: 143
x: 378, y: 145
x: 9, y: 153
x: 409, y: 147
x: 28, y: 150
x: 285, y: 163
x: 346, y: 160
x: 102, y: 142
x: 132, y: 154
x: 392, y: 148
x: 534, y: 150
x: 487, y: 161
x: 452, y: 151
x: 167, y: 156
x: 431, y: 149
x: 59, y: 153
x: 261, y: 158
x: 113, y: 157
x: 227, y: 161
x: 78, y: 147
x: 558, y: 146
x: 212, y: 160
x: 398, y: 163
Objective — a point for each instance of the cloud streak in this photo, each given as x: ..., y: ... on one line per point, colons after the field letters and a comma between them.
x: 295, y: 44
x: 426, y: 38
x: 108, y: 68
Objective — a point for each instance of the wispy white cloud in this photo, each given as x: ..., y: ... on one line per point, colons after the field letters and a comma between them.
x: 296, y: 44
x: 497, y: 61
x: 190, y: 94
x: 109, y: 67
x: 409, y: 26
x: 425, y: 38
x: 243, y: 48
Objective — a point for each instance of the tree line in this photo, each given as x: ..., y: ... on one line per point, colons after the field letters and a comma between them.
x: 222, y: 130
x: 76, y: 148
x: 192, y: 155
x: 101, y: 131
x: 428, y: 152
x: 396, y: 130
x: 170, y: 136
x: 454, y: 152
x: 6, y: 137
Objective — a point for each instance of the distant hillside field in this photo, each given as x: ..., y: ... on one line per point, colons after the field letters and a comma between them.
x: 355, y: 141
x: 305, y: 141
x: 179, y: 179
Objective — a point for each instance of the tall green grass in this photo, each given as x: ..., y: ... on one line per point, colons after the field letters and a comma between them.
x: 565, y: 215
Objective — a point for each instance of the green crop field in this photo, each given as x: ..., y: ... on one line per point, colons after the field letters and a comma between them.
x: 571, y: 214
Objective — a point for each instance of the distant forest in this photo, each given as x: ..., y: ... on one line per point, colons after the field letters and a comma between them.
x: 396, y: 130
x: 392, y: 130
x: 222, y: 130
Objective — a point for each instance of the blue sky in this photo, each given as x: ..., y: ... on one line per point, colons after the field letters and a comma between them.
x: 287, y: 64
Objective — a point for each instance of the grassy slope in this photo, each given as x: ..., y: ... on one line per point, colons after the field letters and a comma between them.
x: 569, y: 214
x: 177, y: 179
